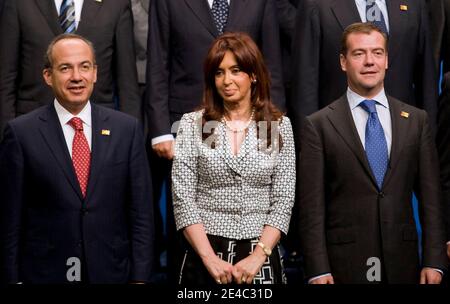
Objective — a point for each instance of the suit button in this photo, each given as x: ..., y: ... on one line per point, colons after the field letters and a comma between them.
x: 381, y: 194
x: 238, y: 177
x: 84, y: 211
x: 80, y: 243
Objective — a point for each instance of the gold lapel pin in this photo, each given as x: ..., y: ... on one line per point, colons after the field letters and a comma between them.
x: 106, y: 132
x: 404, y: 114
x: 403, y: 7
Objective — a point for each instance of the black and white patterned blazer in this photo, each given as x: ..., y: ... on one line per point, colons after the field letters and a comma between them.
x: 232, y: 196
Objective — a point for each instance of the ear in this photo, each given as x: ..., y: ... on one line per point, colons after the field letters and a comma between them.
x: 343, y: 62
x: 387, y: 61
x: 47, y: 73
x: 95, y: 73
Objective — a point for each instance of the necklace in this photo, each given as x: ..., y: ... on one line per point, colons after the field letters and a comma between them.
x: 240, y: 130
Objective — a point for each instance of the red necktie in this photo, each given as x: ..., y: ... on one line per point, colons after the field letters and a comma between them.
x: 81, y: 155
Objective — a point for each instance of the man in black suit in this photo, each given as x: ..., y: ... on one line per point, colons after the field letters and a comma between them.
x: 181, y: 33
x: 27, y: 27
x: 362, y: 158
x: 74, y: 182
x: 443, y: 144
x: 317, y: 78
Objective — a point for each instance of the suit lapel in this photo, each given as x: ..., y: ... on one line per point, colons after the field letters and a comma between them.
x: 202, y: 11
x: 398, y: 21
x: 100, y: 145
x: 400, y: 126
x: 52, y: 133
x: 88, y: 14
x: 48, y: 10
x: 346, y: 14
x: 237, y: 9
x: 342, y: 121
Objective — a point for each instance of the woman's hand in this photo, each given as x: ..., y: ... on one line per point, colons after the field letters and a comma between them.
x: 246, y: 269
x: 220, y: 270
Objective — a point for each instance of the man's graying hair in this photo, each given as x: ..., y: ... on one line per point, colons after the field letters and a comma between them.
x: 48, y: 59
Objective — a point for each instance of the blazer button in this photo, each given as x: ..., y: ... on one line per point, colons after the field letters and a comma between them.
x: 381, y: 194
x: 84, y: 211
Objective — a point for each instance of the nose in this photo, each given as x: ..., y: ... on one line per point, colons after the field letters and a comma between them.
x: 227, y: 78
x: 369, y: 59
x: 76, y: 75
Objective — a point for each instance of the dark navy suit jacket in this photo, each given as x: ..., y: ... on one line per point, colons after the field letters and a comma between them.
x: 44, y: 218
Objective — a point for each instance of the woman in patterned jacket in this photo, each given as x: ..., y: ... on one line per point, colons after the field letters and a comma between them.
x: 234, y: 172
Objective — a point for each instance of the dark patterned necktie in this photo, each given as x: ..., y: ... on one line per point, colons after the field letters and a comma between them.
x: 219, y: 11
x: 374, y: 15
x: 67, y: 16
x: 375, y: 143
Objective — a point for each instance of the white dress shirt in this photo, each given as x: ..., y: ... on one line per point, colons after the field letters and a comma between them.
x: 210, y: 2
x: 65, y: 116
x: 78, y: 6
x: 361, y: 5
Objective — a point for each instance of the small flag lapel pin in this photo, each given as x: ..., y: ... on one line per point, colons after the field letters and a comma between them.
x: 99, y: 1
x: 403, y: 7
x: 404, y: 114
x: 106, y: 132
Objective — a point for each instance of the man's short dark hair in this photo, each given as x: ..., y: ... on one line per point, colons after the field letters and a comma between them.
x: 48, y: 59
x: 364, y: 28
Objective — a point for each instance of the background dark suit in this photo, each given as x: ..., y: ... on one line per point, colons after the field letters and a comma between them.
x: 181, y: 32
x: 44, y: 218
x: 443, y: 144
x: 345, y: 220
x: 317, y: 76
x: 26, y: 29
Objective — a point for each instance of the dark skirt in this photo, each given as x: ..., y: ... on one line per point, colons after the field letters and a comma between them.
x: 193, y: 272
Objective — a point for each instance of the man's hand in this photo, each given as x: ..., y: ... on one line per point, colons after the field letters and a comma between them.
x: 430, y: 276
x: 328, y: 279
x: 164, y: 149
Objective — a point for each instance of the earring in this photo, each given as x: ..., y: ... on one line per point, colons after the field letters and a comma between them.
x: 254, y: 81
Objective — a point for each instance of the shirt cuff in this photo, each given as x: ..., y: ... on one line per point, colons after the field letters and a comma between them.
x: 317, y: 277
x: 162, y: 138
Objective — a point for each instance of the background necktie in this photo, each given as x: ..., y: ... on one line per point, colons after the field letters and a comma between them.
x: 374, y: 15
x: 375, y: 143
x: 81, y: 155
x: 219, y: 11
x: 67, y: 16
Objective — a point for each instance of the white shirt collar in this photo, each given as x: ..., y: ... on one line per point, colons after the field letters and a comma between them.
x: 65, y: 116
x: 355, y: 99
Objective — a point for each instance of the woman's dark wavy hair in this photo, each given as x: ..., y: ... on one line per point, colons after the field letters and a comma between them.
x: 250, y: 61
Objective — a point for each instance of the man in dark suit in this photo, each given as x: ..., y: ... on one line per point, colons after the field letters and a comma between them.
x: 317, y: 78
x: 27, y: 27
x: 181, y: 33
x: 362, y: 157
x: 443, y: 145
x: 74, y: 182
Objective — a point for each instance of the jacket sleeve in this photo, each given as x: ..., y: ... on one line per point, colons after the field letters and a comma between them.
x: 9, y: 62
x: 125, y: 65
x: 185, y: 174
x: 12, y: 191
x: 312, y: 202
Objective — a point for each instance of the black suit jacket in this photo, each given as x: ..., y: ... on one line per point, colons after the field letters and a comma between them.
x: 344, y: 218
x: 180, y: 34
x: 317, y: 75
x: 443, y: 144
x: 26, y: 29
x: 44, y: 218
